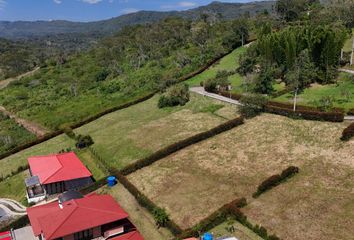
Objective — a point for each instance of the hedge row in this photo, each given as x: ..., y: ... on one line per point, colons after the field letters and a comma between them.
x: 181, y: 144
x: 335, y: 116
x: 275, y: 180
x: 348, y: 133
x: 31, y: 144
x: 145, y: 202
x: 18, y: 223
x: 351, y: 112
x: 221, y: 215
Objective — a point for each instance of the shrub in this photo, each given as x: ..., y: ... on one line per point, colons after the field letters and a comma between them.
x: 102, y: 75
x: 252, y: 105
x: 84, y: 141
x: 218, y: 83
x: 348, y: 133
x: 175, y: 95
x: 351, y: 112
x: 160, y: 216
x: 289, y: 172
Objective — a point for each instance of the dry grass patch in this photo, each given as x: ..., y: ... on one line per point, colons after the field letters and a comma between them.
x: 196, y: 181
x: 139, y: 216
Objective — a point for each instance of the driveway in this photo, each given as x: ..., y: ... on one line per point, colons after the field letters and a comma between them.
x: 201, y: 91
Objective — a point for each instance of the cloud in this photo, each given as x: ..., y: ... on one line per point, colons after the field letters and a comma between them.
x: 91, y: 1
x: 179, y: 5
x: 2, y: 4
x: 57, y: 1
x: 129, y: 10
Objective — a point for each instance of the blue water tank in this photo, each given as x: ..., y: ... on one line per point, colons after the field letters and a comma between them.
x: 208, y: 236
x: 111, y: 181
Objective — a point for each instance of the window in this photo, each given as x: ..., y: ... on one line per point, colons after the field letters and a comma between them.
x: 84, y: 235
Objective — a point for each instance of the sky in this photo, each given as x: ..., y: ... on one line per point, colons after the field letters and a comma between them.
x: 88, y: 10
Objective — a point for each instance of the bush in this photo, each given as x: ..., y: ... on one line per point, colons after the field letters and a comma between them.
x: 275, y: 180
x: 160, y: 216
x: 348, y: 133
x: 174, y: 96
x: 84, y: 141
x: 252, y: 105
x: 220, y: 82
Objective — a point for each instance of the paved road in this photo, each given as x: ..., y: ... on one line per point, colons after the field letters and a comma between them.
x: 201, y: 91
x: 12, y: 208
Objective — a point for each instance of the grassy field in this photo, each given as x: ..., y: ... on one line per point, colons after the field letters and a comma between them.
x: 342, y: 93
x: 90, y: 162
x: 133, y: 133
x: 12, y: 135
x: 196, y: 181
x: 241, y: 232
x: 54, y: 145
x: 349, y: 43
x: 14, y: 187
x: 139, y: 216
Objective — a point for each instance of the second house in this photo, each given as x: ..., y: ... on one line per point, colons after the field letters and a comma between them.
x: 54, y: 174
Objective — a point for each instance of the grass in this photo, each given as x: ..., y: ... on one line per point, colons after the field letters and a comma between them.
x: 139, y: 216
x: 312, y: 96
x: 349, y: 43
x: 241, y: 232
x: 136, y: 132
x: 196, y: 181
x: 228, y: 63
x: 14, y: 187
x: 54, y: 145
x: 12, y: 135
x: 86, y: 157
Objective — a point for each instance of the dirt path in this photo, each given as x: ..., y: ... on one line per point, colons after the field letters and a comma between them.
x: 6, y: 82
x: 34, y: 128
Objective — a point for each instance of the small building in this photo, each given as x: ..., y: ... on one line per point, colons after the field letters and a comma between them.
x: 77, y: 217
x: 54, y: 174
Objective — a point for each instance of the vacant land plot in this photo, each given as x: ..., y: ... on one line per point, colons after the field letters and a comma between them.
x: 135, y: 132
x: 12, y: 135
x: 196, y: 181
x: 340, y: 93
x: 54, y: 145
x: 141, y: 218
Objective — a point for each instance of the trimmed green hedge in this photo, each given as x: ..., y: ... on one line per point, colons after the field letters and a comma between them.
x: 348, y: 133
x: 181, y: 144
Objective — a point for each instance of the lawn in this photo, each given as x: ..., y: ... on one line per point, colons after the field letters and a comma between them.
x: 54, y: 145
x: 127, y: 135
x: 12, y: 135
x: 241, y: 232
x: 90, y: 162
x: 196, y: 181
x: 228, y: 63
x: 14, y: 187
x: 342, y: 93
x: 139, y: 216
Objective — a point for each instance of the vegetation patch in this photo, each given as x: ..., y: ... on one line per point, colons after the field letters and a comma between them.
x: 12, y: 135
x: 14, y: 187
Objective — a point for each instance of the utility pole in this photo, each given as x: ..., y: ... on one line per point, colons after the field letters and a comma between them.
x: 295, y: 98
x: 352, y: 55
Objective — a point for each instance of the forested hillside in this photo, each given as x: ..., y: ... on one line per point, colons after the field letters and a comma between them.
x: 23, y: 29
x: 136, y: 61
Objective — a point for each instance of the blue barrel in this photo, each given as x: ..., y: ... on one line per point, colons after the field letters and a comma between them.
x: 111, y: 181
x: 208, y: 236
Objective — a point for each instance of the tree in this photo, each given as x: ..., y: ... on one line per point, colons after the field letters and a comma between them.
x: 291, y: 10
x: 252, y: 105
x: 175, y: 95
x: 264, y: 82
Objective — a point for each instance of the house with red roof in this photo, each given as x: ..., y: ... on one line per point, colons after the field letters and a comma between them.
x: 77, y: 217
x: 54, y: 174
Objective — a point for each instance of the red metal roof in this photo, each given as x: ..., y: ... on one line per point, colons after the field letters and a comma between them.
x: 129, y: 236
x: 5, y: 236
x: 76, y: 215
x: 58, y: 167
